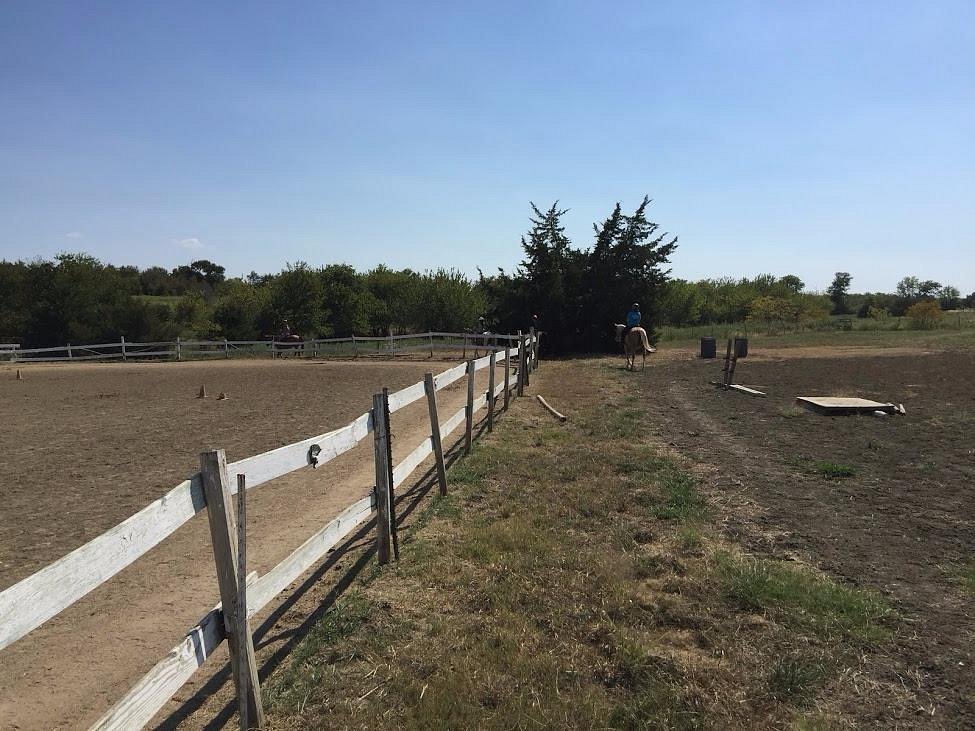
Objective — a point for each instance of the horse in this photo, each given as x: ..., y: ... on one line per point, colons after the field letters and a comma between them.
x: 636, y: 343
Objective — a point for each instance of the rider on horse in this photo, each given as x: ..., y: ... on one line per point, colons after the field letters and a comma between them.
x: 633, y: 318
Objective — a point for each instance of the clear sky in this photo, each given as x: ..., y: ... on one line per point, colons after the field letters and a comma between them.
x: 783, y: 137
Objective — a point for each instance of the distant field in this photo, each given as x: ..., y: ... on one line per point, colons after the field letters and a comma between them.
x: 957, y: 330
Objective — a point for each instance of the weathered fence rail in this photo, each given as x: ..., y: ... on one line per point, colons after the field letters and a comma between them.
x: 178, y: 349
x: 34, y: 600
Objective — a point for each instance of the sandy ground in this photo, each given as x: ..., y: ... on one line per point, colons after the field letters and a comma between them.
x: 86, y: 446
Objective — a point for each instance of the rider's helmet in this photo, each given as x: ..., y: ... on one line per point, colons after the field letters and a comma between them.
x: 636, y: 305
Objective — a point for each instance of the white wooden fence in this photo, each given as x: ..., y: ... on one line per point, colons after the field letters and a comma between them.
x: 32, y: 601
x: 354, y: 347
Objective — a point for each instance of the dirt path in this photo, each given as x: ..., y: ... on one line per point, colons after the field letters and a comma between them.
x: 84, y: 447
x: 899, y: 525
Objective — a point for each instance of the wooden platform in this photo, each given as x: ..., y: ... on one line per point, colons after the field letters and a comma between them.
x: 837, y: 405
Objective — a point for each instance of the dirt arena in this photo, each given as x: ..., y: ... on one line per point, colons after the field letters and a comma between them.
x: 86, y: 446
x: 903, y: 523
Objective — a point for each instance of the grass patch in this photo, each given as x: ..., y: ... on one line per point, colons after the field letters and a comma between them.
x: 966, y: 576
x: 795, y: 679
x: 569, y: 580
x: 826, y: 469
x: 804, y: 600
x: 682, y: 501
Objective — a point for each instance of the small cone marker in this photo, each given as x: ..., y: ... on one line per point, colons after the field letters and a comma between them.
x: 20, y: 376
x: 203, y: 392
x: 222, y: 396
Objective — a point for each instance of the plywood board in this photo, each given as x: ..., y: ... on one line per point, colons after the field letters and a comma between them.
x: 844, y: 405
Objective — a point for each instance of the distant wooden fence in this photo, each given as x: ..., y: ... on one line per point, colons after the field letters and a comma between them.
x: 32, y: 601
x: 351, y: 347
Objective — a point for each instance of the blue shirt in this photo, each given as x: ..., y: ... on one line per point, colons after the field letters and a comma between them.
x: 632, y: 318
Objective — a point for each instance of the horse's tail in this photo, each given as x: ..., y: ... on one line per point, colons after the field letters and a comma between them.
x: 646, y: 342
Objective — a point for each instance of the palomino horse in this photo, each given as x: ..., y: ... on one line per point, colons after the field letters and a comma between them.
x: 636, y: 343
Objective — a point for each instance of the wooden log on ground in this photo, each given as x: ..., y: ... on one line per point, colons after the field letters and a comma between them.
x: 552, y: 411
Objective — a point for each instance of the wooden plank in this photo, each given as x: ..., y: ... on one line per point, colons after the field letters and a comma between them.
x: 436, y: 442
x: 491, y: 393
x: 145, y: 699
x: 469, y: 431
x: 151, y: 693
x: 405, y: 468
x: 453, y: 422
x: 406, y: 396
x: 383, y: 524
x: 442, y: 380
x: 216, y: 487
x: 745, y: 389
x: 482, y: 363
x: 268, y: 586
x: 35, y: 599
x: 843, y: 405
x: 269, y: 465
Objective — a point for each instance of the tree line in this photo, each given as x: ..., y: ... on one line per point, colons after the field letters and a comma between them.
x: 768, y: 298
x: 574, y: 293
x: 76, y: 298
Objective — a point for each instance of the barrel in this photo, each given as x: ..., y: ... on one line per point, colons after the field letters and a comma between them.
x: 741, y: 347
x: 708, y: 348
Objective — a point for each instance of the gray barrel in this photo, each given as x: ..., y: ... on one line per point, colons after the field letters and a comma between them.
x: 709, y: 348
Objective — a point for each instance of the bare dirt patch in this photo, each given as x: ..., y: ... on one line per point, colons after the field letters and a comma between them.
x: 885, y: 503
x: 86, y: 446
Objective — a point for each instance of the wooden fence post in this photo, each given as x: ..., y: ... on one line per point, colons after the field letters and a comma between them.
x: 465, y: 346
x: 521, y: 364
x: 179, y: 354
x: 355, y: 348
x: 469, y: 431
x: 430, y: 387
x: 226, y: 348
x: 69, y: 352
x: 507, y: 374
x: 490, y: 402
x: 381, y: 433
x: 123, y: 349
x: 431, y: 344
x: 240, y: 608
x: 216, y: 488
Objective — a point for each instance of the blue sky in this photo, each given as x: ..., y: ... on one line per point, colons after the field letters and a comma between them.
x: 775, y: 137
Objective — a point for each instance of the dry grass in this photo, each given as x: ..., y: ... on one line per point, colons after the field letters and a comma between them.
x: 574, y: 579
